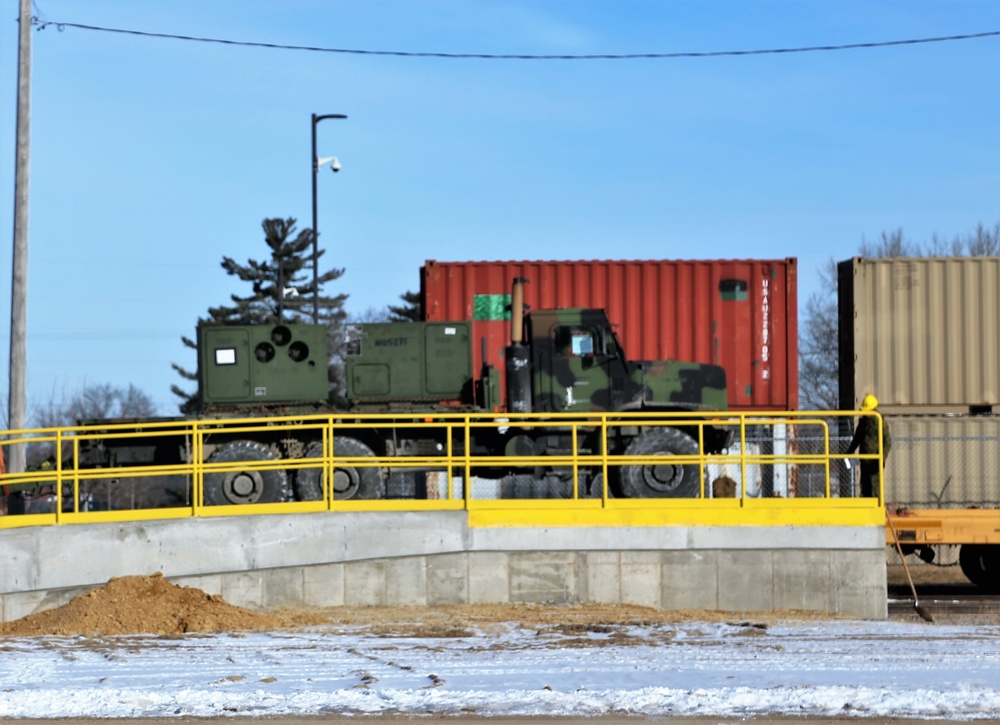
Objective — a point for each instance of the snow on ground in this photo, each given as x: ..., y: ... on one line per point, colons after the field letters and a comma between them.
x: 826, y: 668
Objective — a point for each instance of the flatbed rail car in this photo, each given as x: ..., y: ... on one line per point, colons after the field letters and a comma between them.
x: 942, y: 488
x: 975, y: 531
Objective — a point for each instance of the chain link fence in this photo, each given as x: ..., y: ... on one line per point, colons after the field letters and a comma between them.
x: 944, y: 461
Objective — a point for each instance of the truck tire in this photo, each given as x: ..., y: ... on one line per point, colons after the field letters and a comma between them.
x: 663, y: 480
x: 981, y: 564
x: 308, y: 482
x: 363, y: 483
x: 595, y: 489
x: 245, y: 486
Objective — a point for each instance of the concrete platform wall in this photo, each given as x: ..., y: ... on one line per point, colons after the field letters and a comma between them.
x: 433, y: 558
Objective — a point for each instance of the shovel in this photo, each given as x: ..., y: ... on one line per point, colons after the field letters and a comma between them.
x: 924, y: 614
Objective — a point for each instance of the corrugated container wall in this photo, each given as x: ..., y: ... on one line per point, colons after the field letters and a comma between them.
x: 943, y: 461
x: 739, y: 314
x: 921, y: 334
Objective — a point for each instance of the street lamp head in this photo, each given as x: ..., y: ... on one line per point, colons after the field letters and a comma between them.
x: 332, y: 160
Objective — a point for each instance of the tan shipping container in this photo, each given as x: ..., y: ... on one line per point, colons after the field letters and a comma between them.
x: 943, y: 461
x: 922, y: 334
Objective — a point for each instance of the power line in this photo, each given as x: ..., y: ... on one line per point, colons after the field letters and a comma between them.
x: 491, y: 56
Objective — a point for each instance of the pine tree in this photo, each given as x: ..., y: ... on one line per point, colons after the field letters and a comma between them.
x: 282, y: 292
x: 410, y: 311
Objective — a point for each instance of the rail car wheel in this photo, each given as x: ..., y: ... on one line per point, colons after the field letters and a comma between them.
x: 243, y: 486
x: 349, y: 482
x: 981, y: 564
x: 666, y: 479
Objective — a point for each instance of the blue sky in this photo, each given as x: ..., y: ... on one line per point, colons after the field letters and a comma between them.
x: 153, y: 158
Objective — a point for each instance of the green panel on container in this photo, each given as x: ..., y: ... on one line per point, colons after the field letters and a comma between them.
x: 448, y: 358
x: 298, y: 368
x: 370, y: 379
x: 395, y: 346
x: 491, y: 307
x: 421, y: 360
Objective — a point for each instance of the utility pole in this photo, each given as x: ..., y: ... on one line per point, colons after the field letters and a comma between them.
x: 17, y: 392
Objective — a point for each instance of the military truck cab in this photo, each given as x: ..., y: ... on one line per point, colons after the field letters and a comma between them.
x: 579, y: 365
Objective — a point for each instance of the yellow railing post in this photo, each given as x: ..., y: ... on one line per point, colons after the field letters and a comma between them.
x: 329, y: 465
x: 467, y: 475
x: 605, y: 473
x: 702, y: 461
x: 59, y: 480
x: 197, y: 469
x: 574, y: 447
x: 881, y: 462
x: 76, y: 488
x: 826, y: 459
x: 325, y: 465
x: 743, y: 459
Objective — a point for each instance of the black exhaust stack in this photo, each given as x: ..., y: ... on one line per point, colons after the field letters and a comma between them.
x: 518, y: 356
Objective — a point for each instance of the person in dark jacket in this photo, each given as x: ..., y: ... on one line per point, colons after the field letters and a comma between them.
x: 866, y: 439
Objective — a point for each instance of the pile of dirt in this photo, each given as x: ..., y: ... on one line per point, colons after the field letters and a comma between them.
x: 142, y: 605
x: 153, y: 605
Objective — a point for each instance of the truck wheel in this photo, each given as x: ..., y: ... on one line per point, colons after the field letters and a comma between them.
x: 244, y: 486
x: 349, y: 482
x: 981, y: 564
x: 595, y: 488
x: 662, y: 480
x: 308, y: 484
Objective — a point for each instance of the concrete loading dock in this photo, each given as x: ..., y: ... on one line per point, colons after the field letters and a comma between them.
x: 436, y: 557
x: 805, y: 544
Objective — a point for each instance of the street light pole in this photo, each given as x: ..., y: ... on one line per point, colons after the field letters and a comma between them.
x: 315, y: 171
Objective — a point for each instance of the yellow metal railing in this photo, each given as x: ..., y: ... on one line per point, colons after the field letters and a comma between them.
x: 784, y: 469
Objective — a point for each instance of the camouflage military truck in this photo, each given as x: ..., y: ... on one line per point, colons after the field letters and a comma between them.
x: 559, y: 361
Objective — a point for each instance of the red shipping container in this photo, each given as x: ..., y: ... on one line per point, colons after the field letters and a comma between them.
x: 740, y: 314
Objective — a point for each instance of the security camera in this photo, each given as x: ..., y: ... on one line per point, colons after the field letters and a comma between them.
x: 332, y: 160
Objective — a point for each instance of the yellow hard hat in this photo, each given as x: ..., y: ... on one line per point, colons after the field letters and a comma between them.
x: 869, y: 403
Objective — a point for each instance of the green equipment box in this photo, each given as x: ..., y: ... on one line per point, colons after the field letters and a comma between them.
x: 409, y: 361
x: 262, y: 364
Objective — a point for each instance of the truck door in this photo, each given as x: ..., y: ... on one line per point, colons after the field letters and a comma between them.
x: 578, y: 378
